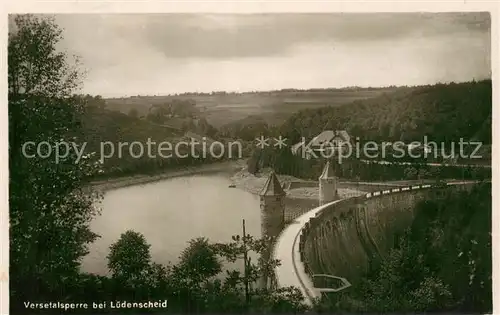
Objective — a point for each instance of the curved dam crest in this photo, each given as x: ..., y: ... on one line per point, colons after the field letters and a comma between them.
x: 340, y: 237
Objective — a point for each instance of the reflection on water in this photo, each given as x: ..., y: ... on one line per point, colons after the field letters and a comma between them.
x: 169, y: 213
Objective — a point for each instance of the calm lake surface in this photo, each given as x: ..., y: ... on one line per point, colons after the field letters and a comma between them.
x: 171, y: 212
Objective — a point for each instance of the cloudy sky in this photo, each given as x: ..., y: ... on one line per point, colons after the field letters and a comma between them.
x: 173, y: 53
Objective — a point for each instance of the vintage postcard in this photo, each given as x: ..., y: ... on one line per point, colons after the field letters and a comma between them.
x: 204, y: 159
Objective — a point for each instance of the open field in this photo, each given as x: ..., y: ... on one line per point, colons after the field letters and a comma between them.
x: 275, y: 106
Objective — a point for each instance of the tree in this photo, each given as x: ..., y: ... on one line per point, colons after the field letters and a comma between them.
x: 203, y: 294
x: 240, y: 249
x: 280, y: 300
x: 204, y: 128
x: 129, y: 258
x: 50, y: 212
x: 200, y: 260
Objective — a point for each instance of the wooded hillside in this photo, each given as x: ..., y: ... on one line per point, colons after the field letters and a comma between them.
x: 442, y: 112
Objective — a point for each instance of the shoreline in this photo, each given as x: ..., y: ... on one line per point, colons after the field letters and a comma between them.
x: 126, y: 181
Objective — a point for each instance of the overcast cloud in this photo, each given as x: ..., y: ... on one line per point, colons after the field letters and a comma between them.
x: 172, y: 53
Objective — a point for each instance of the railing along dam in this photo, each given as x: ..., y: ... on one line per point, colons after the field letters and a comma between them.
x: 338, y: 238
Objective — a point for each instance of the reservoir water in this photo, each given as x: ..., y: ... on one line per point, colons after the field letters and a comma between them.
x: 171, y: 212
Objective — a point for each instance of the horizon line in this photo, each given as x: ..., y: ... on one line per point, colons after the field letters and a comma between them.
x: 290, y: 89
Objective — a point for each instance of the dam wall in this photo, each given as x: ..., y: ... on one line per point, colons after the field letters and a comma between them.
x: 340, y: 238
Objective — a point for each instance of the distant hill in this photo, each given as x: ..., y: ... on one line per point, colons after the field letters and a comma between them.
x: 107, y: 128
x: 442, y: 112
x: 275, y: 107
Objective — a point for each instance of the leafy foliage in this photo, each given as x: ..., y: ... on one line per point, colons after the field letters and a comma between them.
x: 129, y: 257
x: 196, y: 283
x: 49, y: 211
x: 200, y: 260
x: 103, y: 130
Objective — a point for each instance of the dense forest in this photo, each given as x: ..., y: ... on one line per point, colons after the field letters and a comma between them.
x: 442, y: 112
x: 100, y: 125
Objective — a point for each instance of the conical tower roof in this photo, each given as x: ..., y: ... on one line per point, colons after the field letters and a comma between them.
x: 328, y: 171
x: 272, y: 186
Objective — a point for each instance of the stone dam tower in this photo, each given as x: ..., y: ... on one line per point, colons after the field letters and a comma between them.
x: 272, y: 206
x: 272, y: 211
x: 327, y: 185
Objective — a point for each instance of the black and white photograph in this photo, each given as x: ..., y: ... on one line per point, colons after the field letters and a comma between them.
x: 246, y: 163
